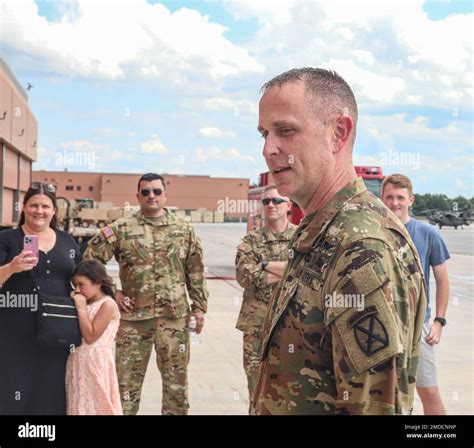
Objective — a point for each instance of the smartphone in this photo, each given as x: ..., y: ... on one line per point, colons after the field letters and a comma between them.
x: 31, y: 243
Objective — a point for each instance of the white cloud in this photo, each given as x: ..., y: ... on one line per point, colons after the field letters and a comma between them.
x: 386, y: 129
x: 364, y: 57
x: 120, y: 156
x: 267, y: 11
x: 415, y: 148
x: 44, y: 158
x: 465, y: 187
x: 388, y: 51
x: 153, y: 146
x: 221, y: 104
x: 228, y: 155
x: 83, y: 145
x: 391, y: 53
x: 115, y: 40
x: 213, y: 132
x: 371, y: 86
x: 110, y: 132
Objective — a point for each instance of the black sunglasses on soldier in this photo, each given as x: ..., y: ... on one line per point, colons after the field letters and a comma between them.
x: 275, y: 201
x: 146, y: 191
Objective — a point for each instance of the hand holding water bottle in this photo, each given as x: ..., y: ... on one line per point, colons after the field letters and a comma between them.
x: 196, y: 323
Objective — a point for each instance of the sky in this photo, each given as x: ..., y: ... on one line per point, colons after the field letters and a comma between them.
x: 173, y: 86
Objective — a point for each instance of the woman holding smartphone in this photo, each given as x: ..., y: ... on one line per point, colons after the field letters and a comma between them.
x: 32, y: 378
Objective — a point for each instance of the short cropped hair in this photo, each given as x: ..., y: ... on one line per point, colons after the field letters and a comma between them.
x: 399, y: 181
x: 269, y: 187
x: 148, y: 177
x: 334, y: 95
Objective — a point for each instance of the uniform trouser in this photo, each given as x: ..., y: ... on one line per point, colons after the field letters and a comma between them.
x: 252, y: 341
x: 135, y: 341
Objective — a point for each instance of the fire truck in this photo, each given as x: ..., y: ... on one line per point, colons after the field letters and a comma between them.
x: 372, y: 176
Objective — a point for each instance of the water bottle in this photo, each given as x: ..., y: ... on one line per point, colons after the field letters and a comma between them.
x: 193, y: 336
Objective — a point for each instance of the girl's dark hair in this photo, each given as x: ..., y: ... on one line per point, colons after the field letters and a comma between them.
x: 95, y: 271
x: 33, y: 191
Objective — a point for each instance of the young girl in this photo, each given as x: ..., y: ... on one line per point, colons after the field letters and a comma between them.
x: 91, y: 378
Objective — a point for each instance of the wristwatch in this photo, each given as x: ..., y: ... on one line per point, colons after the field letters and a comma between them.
x: 264, y: 265
x: 441, y: 320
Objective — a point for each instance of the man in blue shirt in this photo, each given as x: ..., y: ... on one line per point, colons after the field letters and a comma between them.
x: 397, y: 194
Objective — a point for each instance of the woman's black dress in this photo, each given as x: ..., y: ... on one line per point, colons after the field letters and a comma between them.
x: 32, y: 378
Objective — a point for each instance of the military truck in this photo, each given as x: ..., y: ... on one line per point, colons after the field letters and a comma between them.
x: 87, y: 213
x: 83, y: 222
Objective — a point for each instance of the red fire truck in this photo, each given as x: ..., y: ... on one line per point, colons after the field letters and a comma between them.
x: 372, y: 176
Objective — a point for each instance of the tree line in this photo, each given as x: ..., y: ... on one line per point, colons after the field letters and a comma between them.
x: 428, y: 201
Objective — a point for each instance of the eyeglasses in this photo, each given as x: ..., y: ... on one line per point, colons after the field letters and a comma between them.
x: 274, y: 201
x: 40, y: 186
x: 146, y: 191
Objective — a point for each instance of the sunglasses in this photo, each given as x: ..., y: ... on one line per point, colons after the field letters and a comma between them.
x: 146, y: 191
x: 40, y: 186
x: 274, y: 201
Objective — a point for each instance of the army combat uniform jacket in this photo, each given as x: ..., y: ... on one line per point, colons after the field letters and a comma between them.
x: 255, y: 247
x: 160, y: 259
x: 342, y: 335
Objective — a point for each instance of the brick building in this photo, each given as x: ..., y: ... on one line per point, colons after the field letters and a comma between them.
x: 18, y: 145
x: 184, y: 191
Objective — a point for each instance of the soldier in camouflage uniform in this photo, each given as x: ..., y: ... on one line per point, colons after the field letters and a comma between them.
x: 260, y: 262
x: 342, y: 335
x: 160, y: 260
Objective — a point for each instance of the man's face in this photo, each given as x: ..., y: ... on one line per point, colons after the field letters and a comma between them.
x: 297, y: 146
x: 398, y: 200
x: 149, y: 201
x: 275, y: 212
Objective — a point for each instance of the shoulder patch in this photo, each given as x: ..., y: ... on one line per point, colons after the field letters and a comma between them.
x: 98, y: 239
x: 369, y: 331
x: 360, y: 313
x: 107, y: 232
x: 363, y: 281
x: 243, y: 247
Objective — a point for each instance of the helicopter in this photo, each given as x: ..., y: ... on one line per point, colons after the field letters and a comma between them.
x: 448, y: 218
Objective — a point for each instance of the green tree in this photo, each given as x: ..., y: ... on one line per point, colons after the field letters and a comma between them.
x: 425, y: 202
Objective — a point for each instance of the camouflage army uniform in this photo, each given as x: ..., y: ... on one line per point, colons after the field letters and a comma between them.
x: 255, y: 247
x: 160, y: 259
x: 323, y: 356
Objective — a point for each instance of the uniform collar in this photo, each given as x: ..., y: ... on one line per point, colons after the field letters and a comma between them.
x: 285, y: 235
x: 317, y: 221
x: 166, y: 219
